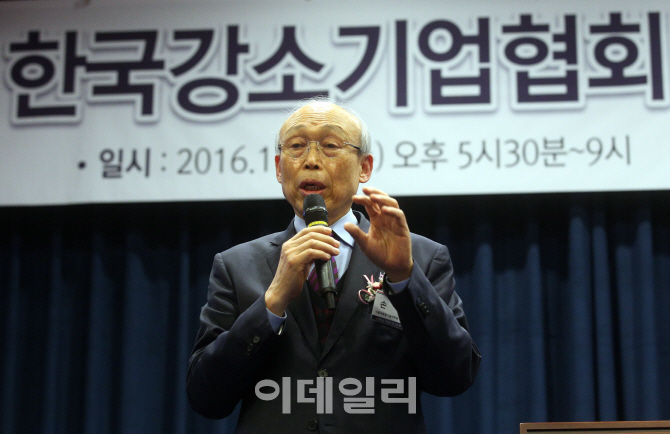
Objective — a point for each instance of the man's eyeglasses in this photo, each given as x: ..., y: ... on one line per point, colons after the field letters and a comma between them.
x: 299, y: 147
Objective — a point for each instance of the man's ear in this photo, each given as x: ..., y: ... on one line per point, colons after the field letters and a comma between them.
x: 366, y: 169
x: 277, y: 169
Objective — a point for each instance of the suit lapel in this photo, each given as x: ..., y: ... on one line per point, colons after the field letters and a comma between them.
x: 301, y: 307
x: 359, y: 266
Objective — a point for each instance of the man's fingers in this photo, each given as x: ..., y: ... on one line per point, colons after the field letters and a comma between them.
x: 371, y: 207
x: 381, y: 204
x: 383, y: 200
x: 394, y: 212
x: 310, y: 255
x: 308, y: 245
x: 364, y: 200
x: 373, y: 190
x: 321, y: 233
x: 398, y: 219
x: 360, y: 237
x: 375, y: 199
x: 316, y: 229
x: 322, y: 245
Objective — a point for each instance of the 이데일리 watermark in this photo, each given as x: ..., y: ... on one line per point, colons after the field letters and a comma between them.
x: 319, y: 391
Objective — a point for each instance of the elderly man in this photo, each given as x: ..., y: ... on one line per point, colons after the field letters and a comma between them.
x: 266, y: 337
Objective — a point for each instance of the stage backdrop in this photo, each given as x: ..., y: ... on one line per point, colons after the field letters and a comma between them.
x: 566, y: 296
x: 172, y: 101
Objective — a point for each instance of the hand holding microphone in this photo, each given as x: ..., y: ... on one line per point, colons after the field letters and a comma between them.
x: 315, y: 213
x: 297, y: 255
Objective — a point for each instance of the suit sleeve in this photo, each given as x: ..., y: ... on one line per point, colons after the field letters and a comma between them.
x: 229, y: 347
x: 432, y: 316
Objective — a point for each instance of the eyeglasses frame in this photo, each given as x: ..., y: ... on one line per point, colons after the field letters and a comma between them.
x: 318, y: 149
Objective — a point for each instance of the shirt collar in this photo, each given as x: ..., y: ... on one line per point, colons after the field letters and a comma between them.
x: 337, y: 227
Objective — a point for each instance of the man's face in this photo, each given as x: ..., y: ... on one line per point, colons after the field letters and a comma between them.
x: 336, y: 179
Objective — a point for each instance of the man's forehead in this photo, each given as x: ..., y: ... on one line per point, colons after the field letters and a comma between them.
x: 322, y: 118
x: 326, y: 127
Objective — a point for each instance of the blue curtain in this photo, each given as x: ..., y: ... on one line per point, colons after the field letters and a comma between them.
x: 566, y: 296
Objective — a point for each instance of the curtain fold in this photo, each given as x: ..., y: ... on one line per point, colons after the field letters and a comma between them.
x: 567, y: 297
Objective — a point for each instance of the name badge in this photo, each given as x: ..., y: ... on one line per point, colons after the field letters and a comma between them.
x: 384, y: 312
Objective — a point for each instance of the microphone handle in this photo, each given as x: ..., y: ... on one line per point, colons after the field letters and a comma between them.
x: 326, y: 279
x: 330, y: 300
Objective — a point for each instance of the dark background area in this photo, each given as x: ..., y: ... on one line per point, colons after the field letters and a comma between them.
x: 566, y: 296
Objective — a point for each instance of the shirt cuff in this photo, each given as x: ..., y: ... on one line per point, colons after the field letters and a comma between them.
x: 397, y: 287
x: 275, y: 321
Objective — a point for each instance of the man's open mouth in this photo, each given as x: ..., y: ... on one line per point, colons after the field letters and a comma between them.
x: 312, y: 186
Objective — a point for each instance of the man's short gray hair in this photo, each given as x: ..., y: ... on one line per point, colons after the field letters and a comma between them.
x: 364, y: 140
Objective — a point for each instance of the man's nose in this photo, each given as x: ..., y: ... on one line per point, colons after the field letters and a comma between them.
x: 312, y: 156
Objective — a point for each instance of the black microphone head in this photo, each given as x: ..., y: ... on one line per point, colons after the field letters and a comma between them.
x: 314, y: 210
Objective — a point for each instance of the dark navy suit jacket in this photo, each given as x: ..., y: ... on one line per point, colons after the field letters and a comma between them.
x: 236, y: 347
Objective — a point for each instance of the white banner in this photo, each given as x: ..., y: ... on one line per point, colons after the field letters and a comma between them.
x: 125, y: 101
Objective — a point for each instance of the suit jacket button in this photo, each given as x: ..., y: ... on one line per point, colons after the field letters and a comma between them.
x: 323, y: 372
x: 422, y: 307
x: 257, y: 339
x: 312, y: 425
x: 250, y: 347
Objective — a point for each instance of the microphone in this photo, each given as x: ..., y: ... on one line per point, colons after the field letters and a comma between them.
x: 315, y: 213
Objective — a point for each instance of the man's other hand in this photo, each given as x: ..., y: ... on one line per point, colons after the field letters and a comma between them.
x: 387, y: 244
